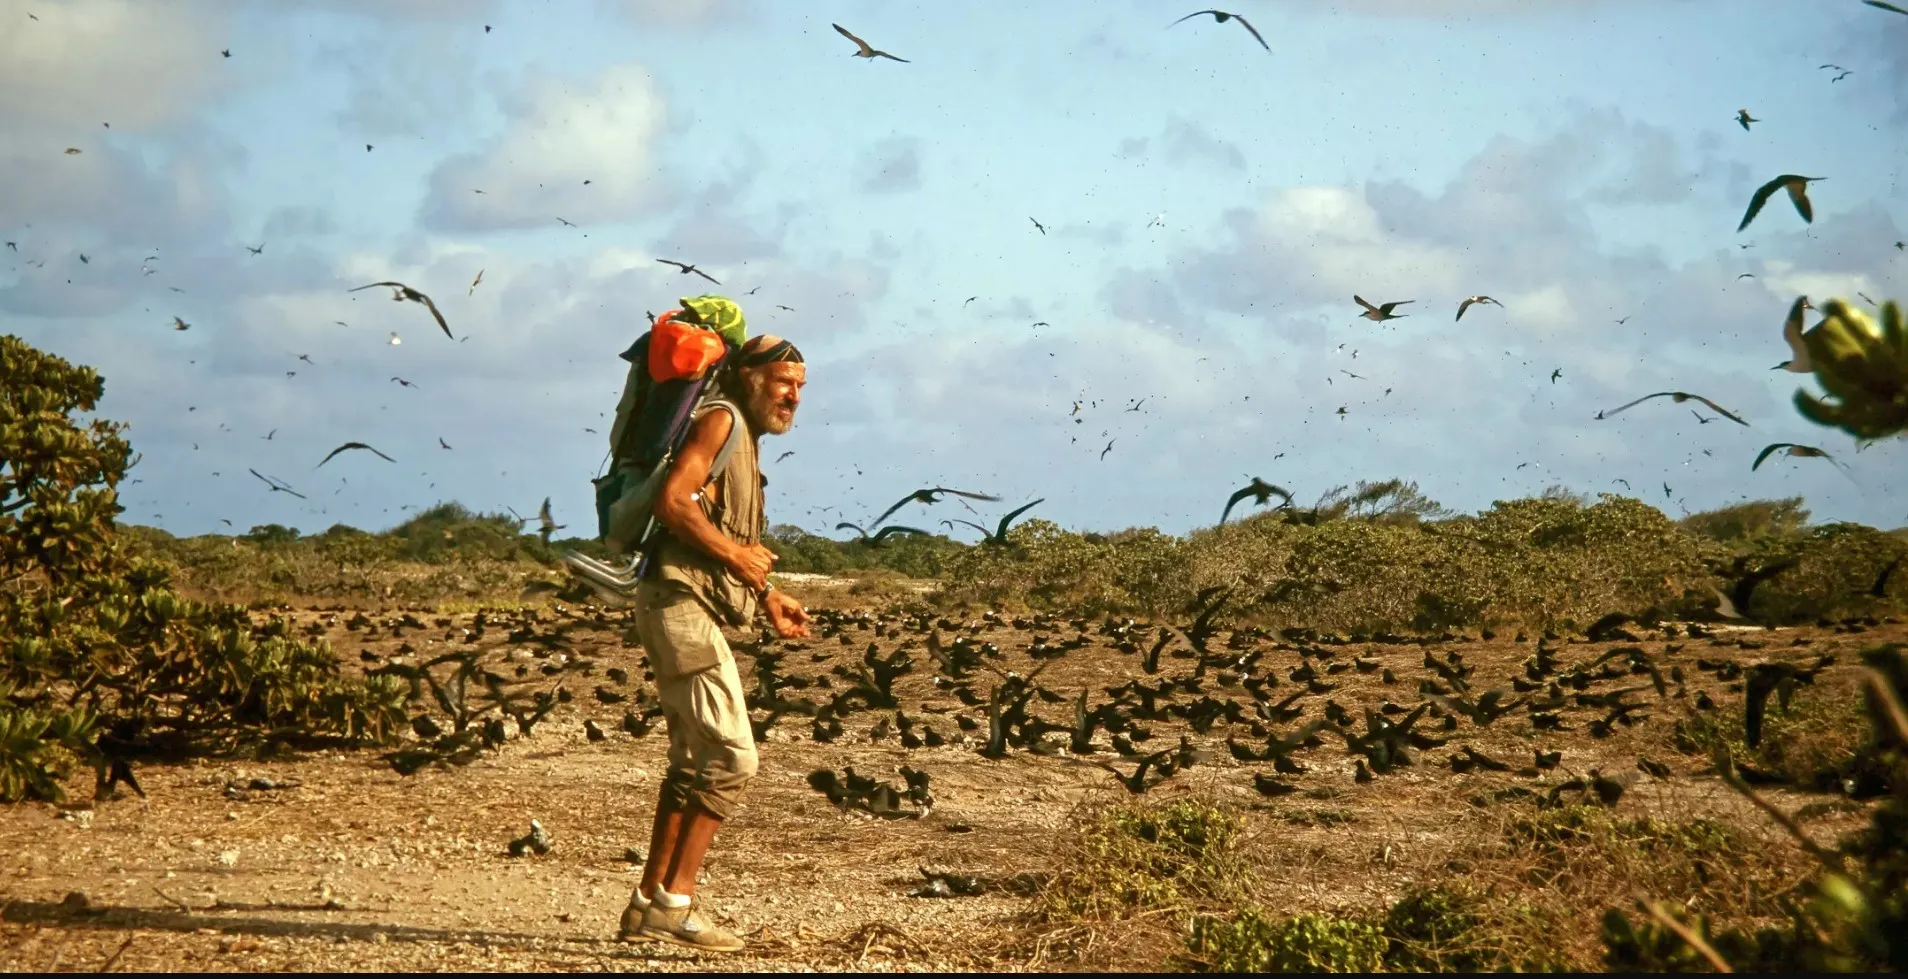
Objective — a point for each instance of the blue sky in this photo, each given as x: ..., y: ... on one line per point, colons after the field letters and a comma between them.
x: 1579, y: 161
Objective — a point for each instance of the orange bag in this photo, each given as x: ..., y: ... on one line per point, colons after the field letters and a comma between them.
x: 679, y: 350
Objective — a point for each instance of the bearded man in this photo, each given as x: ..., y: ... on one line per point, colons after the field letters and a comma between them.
x: 710, y: 570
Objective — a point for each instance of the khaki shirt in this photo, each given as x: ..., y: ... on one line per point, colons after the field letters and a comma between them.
x: 734, y: 505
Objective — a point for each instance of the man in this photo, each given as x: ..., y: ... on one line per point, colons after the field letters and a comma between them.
x: 710, y: 569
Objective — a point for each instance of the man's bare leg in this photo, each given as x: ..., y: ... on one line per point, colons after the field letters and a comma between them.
x: 698, y: 830
x: 664, y: 840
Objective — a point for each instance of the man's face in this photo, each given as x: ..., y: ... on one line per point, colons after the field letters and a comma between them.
x: 775, y: 391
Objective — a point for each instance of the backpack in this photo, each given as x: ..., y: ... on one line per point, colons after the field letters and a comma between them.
x: 674, y: 371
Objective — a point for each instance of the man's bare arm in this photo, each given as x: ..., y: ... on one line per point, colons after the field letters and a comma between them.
x: 676, y: 507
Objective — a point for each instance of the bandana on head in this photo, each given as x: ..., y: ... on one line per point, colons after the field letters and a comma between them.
x: 781, y: 351
x: 720, y: 314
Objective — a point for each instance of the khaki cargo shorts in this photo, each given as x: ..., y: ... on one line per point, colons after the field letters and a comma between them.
x: 711, y: 745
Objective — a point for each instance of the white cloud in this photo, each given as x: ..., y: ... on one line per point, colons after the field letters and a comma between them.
x: 558, y: 136
x: 132, y: 63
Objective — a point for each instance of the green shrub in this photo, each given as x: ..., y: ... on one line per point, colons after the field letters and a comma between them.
x: 1248, y: 941
x: 1142, y: 858
x: 99, y: 656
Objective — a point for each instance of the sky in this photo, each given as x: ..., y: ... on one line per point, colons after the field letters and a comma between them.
x: 1209, y: 209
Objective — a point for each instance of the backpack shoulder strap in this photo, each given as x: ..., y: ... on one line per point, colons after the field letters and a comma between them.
x: 729, y: 444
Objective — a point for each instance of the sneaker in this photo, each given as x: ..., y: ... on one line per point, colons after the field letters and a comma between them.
x: 688, y: 927
x: 633, y: 917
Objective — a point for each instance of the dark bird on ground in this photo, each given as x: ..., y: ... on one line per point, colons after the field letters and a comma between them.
x: 353, y: 445
x: 1764, y: 679
x: 1261, y: 492
x: 1800, y: 451
x: 687, y: 268
x: 1220, y: 16
x: 866, y: 51
x: 931, y: 496
x: 277, y: 487
x: 1744, y: 119
x: 1880, y: 588
x: 1037, y: 224
x: 1735, y: 605
x: 1468, y: 303
x: 1798, y: 188
x: 1679, y: 397
x: 1379, y: 314
x: 401, y: 292
x: 1136, y: 783
x: 999, y: 534
x: 1798, y: 362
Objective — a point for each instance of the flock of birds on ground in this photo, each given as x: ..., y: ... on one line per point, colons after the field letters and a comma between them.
x: 1793, y: 185
x: 919, y: 679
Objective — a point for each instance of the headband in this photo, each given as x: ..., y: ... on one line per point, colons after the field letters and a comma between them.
x: 781, y: 351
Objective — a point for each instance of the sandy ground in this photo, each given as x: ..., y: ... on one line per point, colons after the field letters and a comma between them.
x: 358, y: 868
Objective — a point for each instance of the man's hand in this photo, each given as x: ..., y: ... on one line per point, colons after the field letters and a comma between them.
x: 751, y: 563
x: 787, y: 615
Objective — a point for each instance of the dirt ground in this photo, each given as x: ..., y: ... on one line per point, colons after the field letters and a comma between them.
x: 354, y: 867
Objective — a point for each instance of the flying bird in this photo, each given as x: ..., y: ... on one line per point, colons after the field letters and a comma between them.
x: 353, y: 445
x: 1466, y: 304
x: 401, y: 292
x: 179, y: 324
x: 1744, y: 118
x: 1799, y: 451
x: 1037, y: 224
x: 1220, y: 17
x: 256, y: 251
x: 1261, y: 492
x: 473, y: 282
x: 1109, y: 448
x: 999, y: 534
x: 866, y: 51
x: 277, y: 487
x: 1880, y: 5
x: 547, y: 525
x: 1679, y: 397
x: 1555, y: 373
x: 1845, y: 73
x: 565, y: 223
x: 1379, y: 314
x: 930, y: 496
x: 687, y: 268
x: 881, y: 534
x: 441, y: 443
x: 1798, y: 362
x: 403, y: 382
x: 784, y: 455
x: 1798, y: 188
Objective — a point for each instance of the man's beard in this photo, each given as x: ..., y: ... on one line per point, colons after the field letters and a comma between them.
x: 762, y: 410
